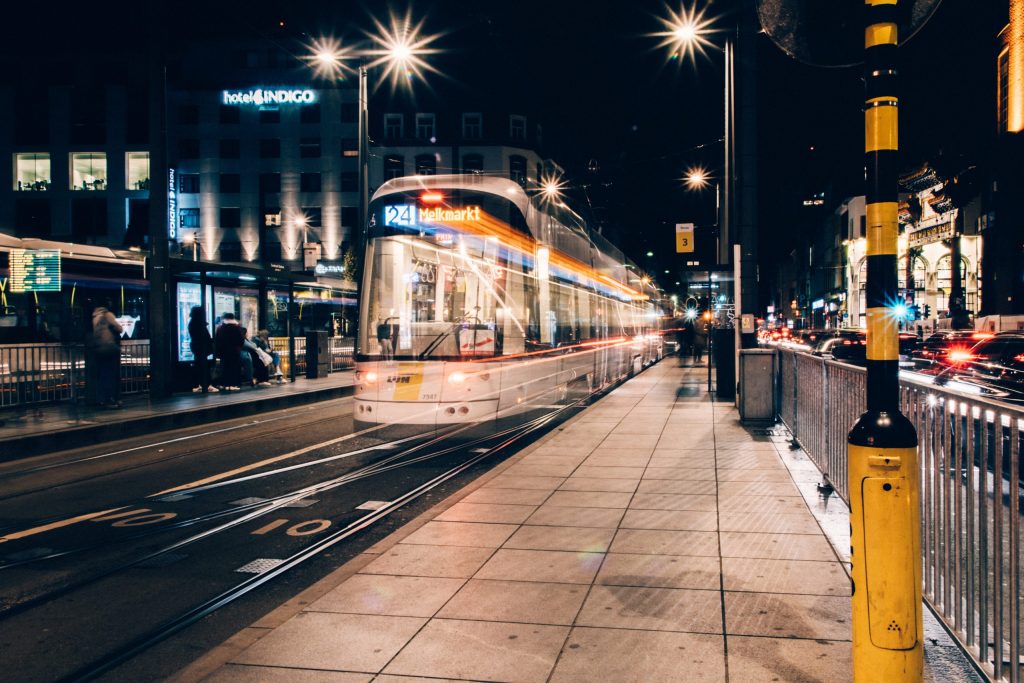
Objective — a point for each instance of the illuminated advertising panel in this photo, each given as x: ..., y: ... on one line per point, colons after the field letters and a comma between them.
x: 269, y: 97
x: 172, y: 205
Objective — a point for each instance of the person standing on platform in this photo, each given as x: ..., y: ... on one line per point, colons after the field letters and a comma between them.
x: 201, y: 342
x: 700, y: 340
x: 227, y: 342
x: 106, y: 344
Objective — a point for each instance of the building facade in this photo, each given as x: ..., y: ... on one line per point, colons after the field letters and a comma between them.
x: 264, y: 156
x: 453, y: 141
x: 76, y: 162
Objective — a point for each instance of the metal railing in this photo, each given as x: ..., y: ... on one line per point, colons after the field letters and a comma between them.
x: 341, y: 348
x: 969, y: 452
x: 34, y: 374
x: 342, y: 353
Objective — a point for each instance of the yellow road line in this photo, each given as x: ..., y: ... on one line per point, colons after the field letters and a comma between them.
x: 256, y: 465
x: 55, y: 525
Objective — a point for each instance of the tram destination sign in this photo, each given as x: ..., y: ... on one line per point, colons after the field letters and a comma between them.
x: 409, y: 216
x: 35, y: 270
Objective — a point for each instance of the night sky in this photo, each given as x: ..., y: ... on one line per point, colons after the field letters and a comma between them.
x: 606, y: 95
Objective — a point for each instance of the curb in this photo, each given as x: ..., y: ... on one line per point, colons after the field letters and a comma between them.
x: 18, y: 447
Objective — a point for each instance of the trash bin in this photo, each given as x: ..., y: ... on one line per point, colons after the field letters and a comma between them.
x: 318, y: 355
x: 723, y: 348
x: 757, y: 386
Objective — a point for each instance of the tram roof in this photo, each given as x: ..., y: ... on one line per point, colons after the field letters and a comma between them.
x: 551, y: 223
x: 70, y: 250
x: 504, y: 187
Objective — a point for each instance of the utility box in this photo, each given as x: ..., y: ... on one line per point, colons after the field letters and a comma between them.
x: 757, y: 386
x: 318, y: 355
x: 723, y: 352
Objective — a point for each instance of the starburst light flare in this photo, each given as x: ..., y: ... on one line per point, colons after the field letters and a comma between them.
x: 328, y: 58
x: 400, y: 48
x: 685, y: 32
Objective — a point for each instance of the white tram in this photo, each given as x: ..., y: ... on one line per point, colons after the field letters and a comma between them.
x: 479, y: 302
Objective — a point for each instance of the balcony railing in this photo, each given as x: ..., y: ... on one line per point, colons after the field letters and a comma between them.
x: 969, y: 451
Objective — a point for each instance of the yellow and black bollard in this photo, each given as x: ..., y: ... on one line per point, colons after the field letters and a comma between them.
x: 883, y: 470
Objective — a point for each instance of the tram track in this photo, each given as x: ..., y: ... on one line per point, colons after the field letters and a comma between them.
x: 253, y: 511
x: 133, y: 648
x: 12, y: 474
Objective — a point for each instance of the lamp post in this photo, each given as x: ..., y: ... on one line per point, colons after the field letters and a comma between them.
x: 399, y: 49
x: 697, y: 179
x: 686, y: 34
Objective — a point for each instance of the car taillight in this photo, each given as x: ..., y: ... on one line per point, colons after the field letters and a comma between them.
x: 959, y: 356
x: 982, y: 335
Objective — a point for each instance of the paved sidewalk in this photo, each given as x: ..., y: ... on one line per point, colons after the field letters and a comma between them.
x: 652, y: 538
x: 37, y: 429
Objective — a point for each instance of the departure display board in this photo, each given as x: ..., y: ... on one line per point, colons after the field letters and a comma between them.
x: 35, y: 270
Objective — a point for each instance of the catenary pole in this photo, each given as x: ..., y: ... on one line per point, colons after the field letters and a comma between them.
x: 885, y: 540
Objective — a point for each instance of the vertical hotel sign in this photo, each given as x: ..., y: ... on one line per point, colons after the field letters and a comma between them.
x: 35, y: 270
x: 172, y: 205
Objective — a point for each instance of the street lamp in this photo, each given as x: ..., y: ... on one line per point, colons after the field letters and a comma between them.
x: 685, y: 34
x: 399, y: 48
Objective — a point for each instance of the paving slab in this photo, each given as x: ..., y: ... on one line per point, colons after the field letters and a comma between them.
x: 338, y: 642
x: 478, y: 650
x: 605, y: 654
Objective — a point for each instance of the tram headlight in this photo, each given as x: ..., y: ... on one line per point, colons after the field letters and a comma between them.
x: 457, y: 377
x: 370, y: 377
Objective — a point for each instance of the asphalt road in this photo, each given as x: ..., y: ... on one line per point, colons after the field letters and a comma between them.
x: 103, y: 546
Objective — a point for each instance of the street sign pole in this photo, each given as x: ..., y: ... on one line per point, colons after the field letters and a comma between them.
x: 885, y: 524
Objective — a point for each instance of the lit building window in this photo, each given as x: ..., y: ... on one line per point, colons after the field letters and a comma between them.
x: 393, y: 126
x: 517, y: 127
x: 472, y: 126
x: 32, y: 171
x: 424, y: 126
x: 189, y: 218
x: 88, y: 171
x: 137, y: 172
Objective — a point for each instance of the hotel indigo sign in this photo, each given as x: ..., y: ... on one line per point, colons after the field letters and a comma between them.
x: 267, y: 97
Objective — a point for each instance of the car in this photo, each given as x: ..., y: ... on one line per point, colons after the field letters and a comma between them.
x: 847, y: 345
x: 908, y: 343
x: 936, y: 347
x: 993, y: 367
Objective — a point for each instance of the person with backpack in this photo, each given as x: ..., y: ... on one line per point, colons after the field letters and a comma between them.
x: 106, y: 349
x: 201, y: 342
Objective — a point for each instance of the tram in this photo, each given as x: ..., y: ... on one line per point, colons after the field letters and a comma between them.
x: 480, y: 302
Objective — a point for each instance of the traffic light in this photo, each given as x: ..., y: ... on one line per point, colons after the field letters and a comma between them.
x: 927, y: 311
x: 912, y: 312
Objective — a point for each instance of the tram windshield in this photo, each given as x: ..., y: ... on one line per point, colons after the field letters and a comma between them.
x: 455, y: 275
